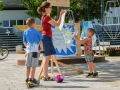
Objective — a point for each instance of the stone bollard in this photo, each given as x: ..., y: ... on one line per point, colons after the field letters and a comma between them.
x: 19, y: 50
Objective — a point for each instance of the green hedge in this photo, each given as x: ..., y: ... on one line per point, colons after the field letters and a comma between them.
x: 113, y: 51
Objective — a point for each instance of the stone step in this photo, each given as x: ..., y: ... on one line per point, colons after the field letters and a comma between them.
x: 13, y: 39
x: 9, y: 38
x: 7, y: 34
x: 109, y: 39
x: 115, y: 43
x: 8, y: 46
x: 111, y: 36
x: 107, y: 31
x: 4, y: 42
x: 112, y: 40
x: 11, y: 44
x: 10, y: 41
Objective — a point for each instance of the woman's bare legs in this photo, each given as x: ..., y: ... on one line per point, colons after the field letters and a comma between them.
x: 45, y: 66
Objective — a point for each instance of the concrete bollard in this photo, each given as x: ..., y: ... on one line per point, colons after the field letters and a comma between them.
x: 19, y: 48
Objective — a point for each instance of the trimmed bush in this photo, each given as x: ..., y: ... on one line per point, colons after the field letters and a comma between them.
x: 113, y: 51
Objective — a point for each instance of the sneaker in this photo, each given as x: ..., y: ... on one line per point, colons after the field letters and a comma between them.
x: 90, y: 75
x: 27, y: 80
x: 95, y: 74
x: 34, y: 81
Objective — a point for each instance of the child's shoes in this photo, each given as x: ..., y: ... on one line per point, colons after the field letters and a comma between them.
x: 95, y: 75
x: 90, y: 75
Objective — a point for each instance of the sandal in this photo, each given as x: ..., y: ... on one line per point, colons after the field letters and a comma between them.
x: 48, y: 79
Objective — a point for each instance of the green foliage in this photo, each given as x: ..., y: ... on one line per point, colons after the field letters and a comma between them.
x: 32, y: 6
x: 86, y: 9
x: 76, y: 6
x: 0, y: 23
x: 2, y: 5
x: 113, y: 51
x: 82, y: 9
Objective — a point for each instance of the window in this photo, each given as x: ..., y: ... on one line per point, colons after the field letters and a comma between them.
x: 105, y: 20
x: 115, y: 20
x: 119, y: 19
x: 12, y: 22
x: 24, y: 22
x: 6, y: 23
x: 109, y: 20
x: 19, y: 22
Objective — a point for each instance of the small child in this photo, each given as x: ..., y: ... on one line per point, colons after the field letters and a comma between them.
x: 89, y: 55
x: 7, y: 32
x: 31, y: 39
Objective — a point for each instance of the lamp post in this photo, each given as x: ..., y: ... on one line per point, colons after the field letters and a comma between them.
x: 87, y: 11
x: 102, y: 20
x: 102, y: 12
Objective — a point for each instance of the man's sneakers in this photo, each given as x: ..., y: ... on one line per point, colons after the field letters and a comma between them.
x: 92, y: 75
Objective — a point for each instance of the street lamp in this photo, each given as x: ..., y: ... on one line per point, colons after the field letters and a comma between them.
x: 102, y: 16
x: 87, y: 11
x: 102, y: 12
x: 102, y: 20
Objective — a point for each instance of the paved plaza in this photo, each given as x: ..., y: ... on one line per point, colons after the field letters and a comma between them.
x: 12, y: 76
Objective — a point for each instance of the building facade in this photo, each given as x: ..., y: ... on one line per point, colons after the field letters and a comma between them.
x: 13, y: 14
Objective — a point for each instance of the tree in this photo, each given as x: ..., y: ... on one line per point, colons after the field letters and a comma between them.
x: 2, y: 5
x: 0, y: 23
x: 32, y: 6
x: 82, y: 9
x: 86, y: 9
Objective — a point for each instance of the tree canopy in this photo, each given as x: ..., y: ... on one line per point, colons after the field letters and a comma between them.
x: 32, y: 5
x: 82, y: 9
x: 2, y: 5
